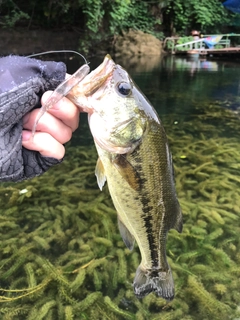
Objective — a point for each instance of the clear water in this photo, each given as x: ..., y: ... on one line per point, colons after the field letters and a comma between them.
x: 63, y: 227
x: 178, y: 85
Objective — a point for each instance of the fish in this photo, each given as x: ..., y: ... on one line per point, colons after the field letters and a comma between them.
x: 135, y: 160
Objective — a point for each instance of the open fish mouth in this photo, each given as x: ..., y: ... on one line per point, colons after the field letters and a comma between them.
x: 95, y: 80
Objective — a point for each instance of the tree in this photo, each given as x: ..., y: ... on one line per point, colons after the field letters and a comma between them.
x: 208, y: 16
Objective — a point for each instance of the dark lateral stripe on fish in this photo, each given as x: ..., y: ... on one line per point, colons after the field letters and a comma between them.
x: 148, y: 224
x: 146, y: 208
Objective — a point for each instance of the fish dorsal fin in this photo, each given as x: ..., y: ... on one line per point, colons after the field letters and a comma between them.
x: 178, y: 225
x: 100, y: 174
x: 127, y: 171
x: 127, y: 237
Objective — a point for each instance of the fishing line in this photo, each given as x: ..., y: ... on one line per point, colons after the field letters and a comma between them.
x: 63, y: 89
x: 58, y: 51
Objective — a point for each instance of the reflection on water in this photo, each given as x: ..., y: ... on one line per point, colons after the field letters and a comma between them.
x: 178, y: 84
x: 142, y: 64
x: 190, y: 63
x: 59, y: 240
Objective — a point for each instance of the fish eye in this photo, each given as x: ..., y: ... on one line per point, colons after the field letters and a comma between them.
x: 124, y: 88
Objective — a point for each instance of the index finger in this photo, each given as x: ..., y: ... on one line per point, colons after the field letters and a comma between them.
x: 61, y: 91
x: 65, y: 110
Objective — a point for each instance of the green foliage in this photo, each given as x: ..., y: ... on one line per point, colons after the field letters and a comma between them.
x: 208, y: 16
x: 95, y: 20
x: 183, y: 40
x: 108, y: 18
x: 113, y: 17
x: 98, y: 20
x: 13, y: 14
x: 119, y: 13
x: 131, y: 14
x: 93, y: 14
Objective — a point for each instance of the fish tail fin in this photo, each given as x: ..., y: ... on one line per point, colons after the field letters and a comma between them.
x: 156, y: 281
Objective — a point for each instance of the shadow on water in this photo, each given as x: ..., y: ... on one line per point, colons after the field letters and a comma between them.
x: 61, y: 255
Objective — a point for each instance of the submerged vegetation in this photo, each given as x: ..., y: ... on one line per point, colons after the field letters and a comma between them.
x: 61, y: 255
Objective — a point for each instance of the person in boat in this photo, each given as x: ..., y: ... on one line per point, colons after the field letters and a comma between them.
x: 25, y: 83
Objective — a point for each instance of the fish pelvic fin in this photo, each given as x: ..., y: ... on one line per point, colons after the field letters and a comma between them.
x: 127, y: 237
x: 100, y: 174
x: 160, y: 282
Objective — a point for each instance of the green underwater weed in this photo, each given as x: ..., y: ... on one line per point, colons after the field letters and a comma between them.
x: 62, y: 257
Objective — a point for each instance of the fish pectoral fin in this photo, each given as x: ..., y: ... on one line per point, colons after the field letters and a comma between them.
x: 127, y: 237
x: 100, y: 174
x: 127, y: 171
x: 178, y: 225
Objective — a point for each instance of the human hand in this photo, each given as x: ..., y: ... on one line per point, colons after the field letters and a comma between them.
x: 23, y: 81
x: 53, y: 130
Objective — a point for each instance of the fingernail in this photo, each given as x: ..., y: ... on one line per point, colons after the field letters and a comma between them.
x: 26, y: 135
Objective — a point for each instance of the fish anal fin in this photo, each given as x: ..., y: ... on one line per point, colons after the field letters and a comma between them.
x: 100, y: 174
x: 127, y: 171
x: 127, y: 237
x: 147, y: 281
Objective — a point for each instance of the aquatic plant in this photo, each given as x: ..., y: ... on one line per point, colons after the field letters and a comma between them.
x: 62, y: 257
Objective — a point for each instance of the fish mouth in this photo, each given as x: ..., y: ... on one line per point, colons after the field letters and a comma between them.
x: 95, y: 80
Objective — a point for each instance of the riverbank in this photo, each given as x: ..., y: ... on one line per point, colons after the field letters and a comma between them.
x: 23, y: 41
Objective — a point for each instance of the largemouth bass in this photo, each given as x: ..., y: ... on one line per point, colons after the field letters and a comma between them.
x: 135, y: 160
